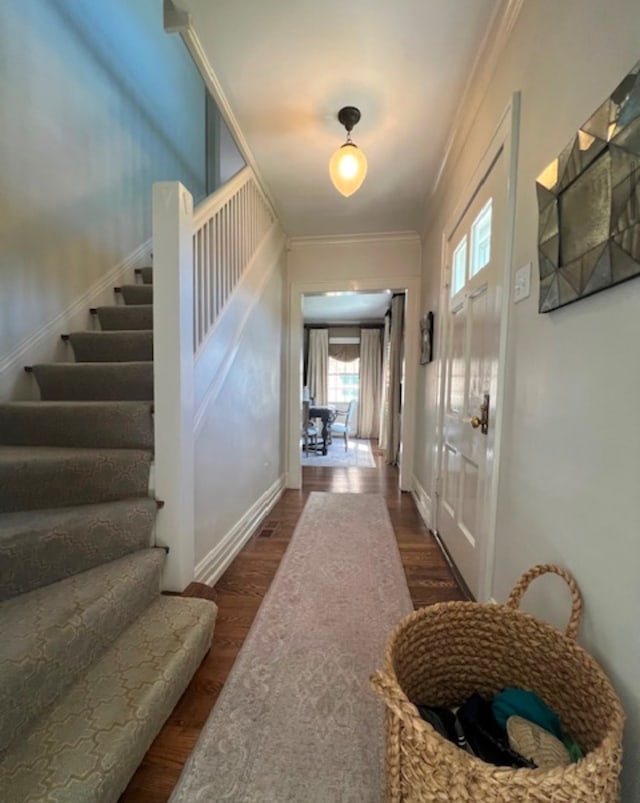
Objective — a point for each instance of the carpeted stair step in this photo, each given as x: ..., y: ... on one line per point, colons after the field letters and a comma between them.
x: 86, y: 747
x: 146, y: 274
x: 125, y: 316
x: 52, y: 635
x: 117, y: 346
x: 136, y: 293
x: 92, y: 424
x: 95, y: 381
x: 38, y: 547
x: 38, y: 477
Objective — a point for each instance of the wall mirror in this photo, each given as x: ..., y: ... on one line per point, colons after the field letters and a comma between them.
x: 589, y: 204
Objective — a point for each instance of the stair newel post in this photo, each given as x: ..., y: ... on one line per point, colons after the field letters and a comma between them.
x: 173, y: 295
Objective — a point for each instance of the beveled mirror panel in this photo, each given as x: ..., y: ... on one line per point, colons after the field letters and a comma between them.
x: 589, y: 204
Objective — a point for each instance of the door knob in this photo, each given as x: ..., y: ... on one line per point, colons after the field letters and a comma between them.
x: 482, y: 421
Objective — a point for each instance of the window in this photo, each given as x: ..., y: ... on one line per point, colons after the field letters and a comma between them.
x: 459, y: 271
x: 344, y: 380
x: 481, y: 240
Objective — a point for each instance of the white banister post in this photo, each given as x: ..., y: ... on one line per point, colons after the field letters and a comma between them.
x: 173, y: 378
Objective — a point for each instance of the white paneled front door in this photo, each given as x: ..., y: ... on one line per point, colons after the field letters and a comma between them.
x: 475, y: 255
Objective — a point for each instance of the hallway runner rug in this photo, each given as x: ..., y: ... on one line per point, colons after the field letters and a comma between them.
x: 296, y: 720
x: 358, y: 455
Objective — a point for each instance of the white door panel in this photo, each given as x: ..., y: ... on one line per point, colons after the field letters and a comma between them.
x: 471, y: 355
x: 468, y: 510
x: 449, y: 496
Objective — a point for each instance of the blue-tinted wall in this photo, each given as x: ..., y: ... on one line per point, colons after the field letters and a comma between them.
x: 96, y: 103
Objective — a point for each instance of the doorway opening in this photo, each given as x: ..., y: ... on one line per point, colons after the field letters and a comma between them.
x: 348, y: 317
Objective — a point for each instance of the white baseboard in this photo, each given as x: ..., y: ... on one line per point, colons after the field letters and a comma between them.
x: 424, y: 503
x: 44, y: 345
x: 212, y: 567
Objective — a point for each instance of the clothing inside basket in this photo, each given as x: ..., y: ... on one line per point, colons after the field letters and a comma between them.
x: 513, y: 729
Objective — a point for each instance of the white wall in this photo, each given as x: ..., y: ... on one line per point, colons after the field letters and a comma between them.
x: 96, y: 103
x: 386, y: 258
x: 238, y: 451
x: 366, y: 262
x: 570, y: 466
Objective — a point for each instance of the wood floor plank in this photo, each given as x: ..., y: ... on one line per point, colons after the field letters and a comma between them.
x: 241, y: 589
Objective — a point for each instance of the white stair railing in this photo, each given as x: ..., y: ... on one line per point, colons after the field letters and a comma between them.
x: 199, y: 258
x: 227, y: 229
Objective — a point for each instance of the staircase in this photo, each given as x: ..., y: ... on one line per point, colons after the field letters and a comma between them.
x: 92, y: 657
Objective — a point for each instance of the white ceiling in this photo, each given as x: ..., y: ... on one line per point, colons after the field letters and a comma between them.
x: 346, y: 308
x: 287, y: 66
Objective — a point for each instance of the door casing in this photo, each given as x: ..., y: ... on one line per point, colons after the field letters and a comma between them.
x: 294, y: 368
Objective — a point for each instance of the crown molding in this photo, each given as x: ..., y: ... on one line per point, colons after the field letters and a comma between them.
x: 352, y: 239
x: 495, y: 39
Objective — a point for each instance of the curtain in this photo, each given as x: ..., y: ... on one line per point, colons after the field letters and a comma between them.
x: 384, y: 395
x: 344, y: 352
x: 318, y: 370
x: 370, y: 384
x: 395, y: 379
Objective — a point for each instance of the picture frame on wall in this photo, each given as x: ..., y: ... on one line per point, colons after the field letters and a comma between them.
x: 426, y: 338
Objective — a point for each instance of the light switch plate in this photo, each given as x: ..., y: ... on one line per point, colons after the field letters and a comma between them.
x: 522, y: 283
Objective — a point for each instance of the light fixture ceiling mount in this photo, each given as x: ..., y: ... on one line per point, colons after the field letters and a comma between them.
x: 348, y: 165
x: 349, y: 116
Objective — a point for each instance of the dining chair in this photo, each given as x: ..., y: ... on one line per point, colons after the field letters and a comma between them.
x: 341, y: 424
x: 309, y: 430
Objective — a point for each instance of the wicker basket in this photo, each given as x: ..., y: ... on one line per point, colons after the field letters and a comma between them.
x: 441, y: 654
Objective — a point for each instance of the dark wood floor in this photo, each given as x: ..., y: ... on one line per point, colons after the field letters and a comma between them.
x: 241, y: 589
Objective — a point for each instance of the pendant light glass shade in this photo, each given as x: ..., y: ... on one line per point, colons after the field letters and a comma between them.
x: 348, y: 165
x: 348, y: 168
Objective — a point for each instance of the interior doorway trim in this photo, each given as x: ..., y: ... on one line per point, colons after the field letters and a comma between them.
x: 294, y: 367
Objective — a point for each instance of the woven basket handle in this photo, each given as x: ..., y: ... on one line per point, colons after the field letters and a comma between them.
x: 387, y: 688
x: 576, y: 600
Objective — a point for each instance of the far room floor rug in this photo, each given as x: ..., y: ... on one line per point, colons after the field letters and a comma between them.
x: 296, y: 720
x: 358, y: 454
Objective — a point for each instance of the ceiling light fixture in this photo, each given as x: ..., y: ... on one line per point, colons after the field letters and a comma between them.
x: 348, y: 165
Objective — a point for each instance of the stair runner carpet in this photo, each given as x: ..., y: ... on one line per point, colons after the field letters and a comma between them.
x: 93, y: 658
